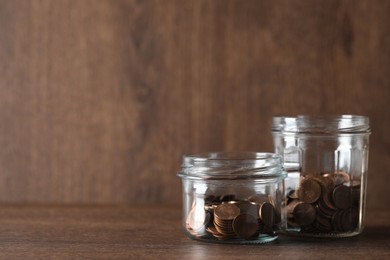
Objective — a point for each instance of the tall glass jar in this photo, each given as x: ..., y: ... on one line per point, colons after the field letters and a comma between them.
x: 232, y: 197
x: 326, y: 159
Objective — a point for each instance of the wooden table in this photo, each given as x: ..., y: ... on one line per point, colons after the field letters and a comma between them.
x: 154, y: 232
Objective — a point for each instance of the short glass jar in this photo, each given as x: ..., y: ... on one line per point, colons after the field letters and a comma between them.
x: 232, y: 197
x: 326, y: 159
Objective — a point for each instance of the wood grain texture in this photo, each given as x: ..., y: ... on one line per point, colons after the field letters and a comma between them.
x: 154, y: 232
x: 100, y: 99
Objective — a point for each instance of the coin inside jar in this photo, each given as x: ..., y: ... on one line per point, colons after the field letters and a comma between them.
x: 226, y: 211
x: 245, y: 226
x: 304, y: 213
x: 234, y: 219
x: 247, y: 207
x: 267, y: 214
x: 309, y: 190
x: 342, y: 197
x: 341, y: 178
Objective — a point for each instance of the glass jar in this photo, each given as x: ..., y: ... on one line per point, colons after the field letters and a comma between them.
x: 232, y: 197
x: 326, y: 159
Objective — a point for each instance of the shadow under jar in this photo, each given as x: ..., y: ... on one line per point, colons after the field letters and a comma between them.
x: 232, y: 197
x: 326, y: 159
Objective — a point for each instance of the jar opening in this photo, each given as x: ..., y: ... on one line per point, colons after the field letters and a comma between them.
x: 348, y: 124
x: 231, y: 165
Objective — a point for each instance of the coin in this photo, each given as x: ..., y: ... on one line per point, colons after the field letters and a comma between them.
x: 245, y: 226
x: 247, y: 207
x: 304, y: 213
x: 338, y: 177
x: 224, y: 214
x: 290, y: 208
x: 350, y: 219
x: 291, y: 223
x: 323, y: 224
x: 218, y: 235
x: 226, y: 211
x: 335, y: 221
x: 327, y: 186
x: 226, y: 230
x: 309, y: 190
x: 267, y: 214
x: 258, y: 198
x: 323, y: 209
x: 232, y: 218
x: 342, y: 197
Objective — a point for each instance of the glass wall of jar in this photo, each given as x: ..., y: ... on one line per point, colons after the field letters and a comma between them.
x: 232, y: 197
x: 326, y: 159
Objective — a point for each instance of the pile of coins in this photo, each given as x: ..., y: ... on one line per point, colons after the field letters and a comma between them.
x: 226, y: 218
x: 324, y: 204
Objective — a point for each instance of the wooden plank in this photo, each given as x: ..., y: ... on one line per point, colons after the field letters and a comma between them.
x: 150, y: 232
x: 99, y: 99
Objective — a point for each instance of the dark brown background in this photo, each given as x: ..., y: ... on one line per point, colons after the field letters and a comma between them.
x: 99, y: 99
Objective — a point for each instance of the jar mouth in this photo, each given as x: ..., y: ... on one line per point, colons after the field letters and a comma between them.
x: 322, y: 124
x: 231, y: 165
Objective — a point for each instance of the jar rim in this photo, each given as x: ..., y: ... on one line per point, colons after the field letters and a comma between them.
x: 231, y: 165
x: 321, y: 124
x: 233, y: 156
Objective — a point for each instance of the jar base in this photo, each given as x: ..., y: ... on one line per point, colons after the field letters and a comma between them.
x: 320, y: 235
x: 262, y: 239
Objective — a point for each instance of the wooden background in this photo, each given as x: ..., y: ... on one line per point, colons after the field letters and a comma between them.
x: 99, y: 99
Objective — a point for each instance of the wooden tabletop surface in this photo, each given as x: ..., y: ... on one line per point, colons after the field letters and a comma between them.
x: 154, y: 232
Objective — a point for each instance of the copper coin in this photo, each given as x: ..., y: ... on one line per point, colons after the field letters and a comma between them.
x: 226, y: 211
x: 218, y: 235
x: 336, y: 221
x: 290, y: 208
x: 338, y: 177
x: 245, y: 226
x: 291, y: 223
x: 304, y: 214
x: 342, y: 197
x: 224, y: 229
x: 225, y: 225
x: 327, y: 200
x: 309, y: 190
x: 267, y: 214
x: 225, y: 232
x: 350, y: 219
x: 210, y: 207
x: 213, y: 231
x: 324, y: 224
x: 249, y: 208
x: 323, y: 209
x: 327, y: 184
x: 258, y: 198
